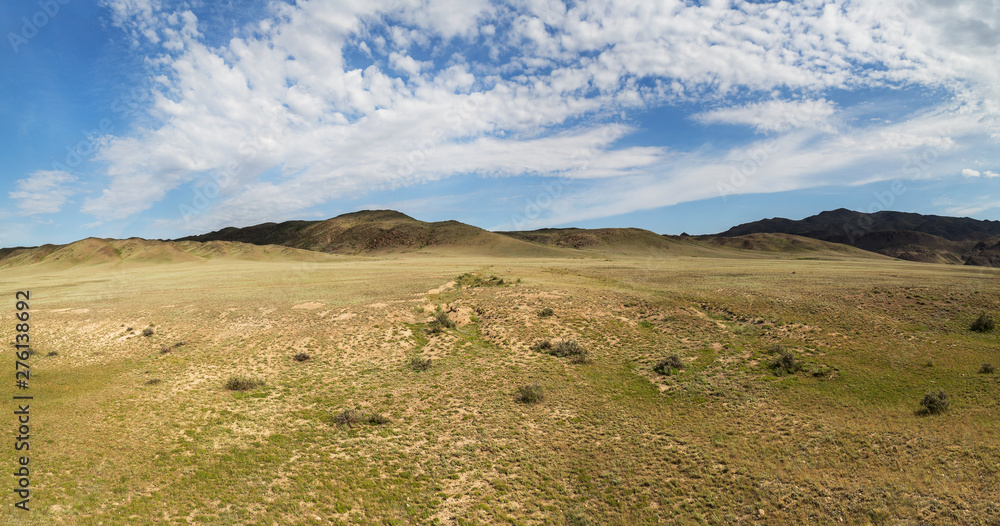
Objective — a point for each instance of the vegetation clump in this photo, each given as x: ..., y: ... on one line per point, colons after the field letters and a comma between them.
x: 546, y: 312
x: 419, y: 363
x: 668, y: 365
x: 148, y: 331
x: 984, y: 323
x: 52, y: 353
x: 563, y: 349
x: 301, y: 357
x: 153, y: 381
x: 785, y: 363
x: 987, y: 368
x: 243, y: 383
x: 353, y: 417
x: 934, y: 403
x: 440, y: 322
x: 474, y: 280
x: 531, y: 393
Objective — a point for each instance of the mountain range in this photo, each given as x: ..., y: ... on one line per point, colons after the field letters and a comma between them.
x: 908, y: 236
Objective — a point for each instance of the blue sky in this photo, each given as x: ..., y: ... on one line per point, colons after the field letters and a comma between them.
x: 160, y: 119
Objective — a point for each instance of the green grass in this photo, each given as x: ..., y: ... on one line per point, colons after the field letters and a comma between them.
x: 613, y: 442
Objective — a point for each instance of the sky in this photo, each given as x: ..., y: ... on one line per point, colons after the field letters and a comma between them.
x: 160, y: 118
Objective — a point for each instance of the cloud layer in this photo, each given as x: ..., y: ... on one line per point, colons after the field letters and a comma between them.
x: 321, y: 100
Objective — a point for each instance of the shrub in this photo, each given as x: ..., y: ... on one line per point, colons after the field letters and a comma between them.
x: 164, y: 349
x: 785, y: 363
x: 440, y: 322
x: 148, y: 331
x: 668, y: 365
x: 566, y: 348
x: 542, y: 346
x: 987, y: 368
x: 419, y: 363
x: 301, y: 357
x: 154, y: 381
x: 546, y: 312
x: 984, y: 323
x: 531, y: 393
x: 775, y: 348
x: 52, y: 353
x: 243, y: 383
x: 348, y: 417
x: 934, y: 403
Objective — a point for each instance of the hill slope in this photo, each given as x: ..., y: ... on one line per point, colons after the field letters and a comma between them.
x: 903, y: 235
x: 379, y: 231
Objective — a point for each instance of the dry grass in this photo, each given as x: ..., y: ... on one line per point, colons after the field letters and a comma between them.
x: 726, y: 442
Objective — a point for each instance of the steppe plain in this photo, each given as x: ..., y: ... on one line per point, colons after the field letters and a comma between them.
x: 140, y: 429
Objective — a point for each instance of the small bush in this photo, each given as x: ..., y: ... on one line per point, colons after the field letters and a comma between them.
x: 542, y: 346
x: 348, y: 417
x: 164, y: 349
x: 934, y: 403
x: 987, y: 368
x: 546, y: 312
x: 531, y: 393
x: 775, y: 348
x: 301, y: 357
x: 984, y: 323
x: 786, y: 363
x: 243, y: 383
x: 52, y: 353
x: 148, y: 331
x: 669, y: 365
x: 419, y: 363
x: 566, y: 348
x: 440, y: 322
x: 154, y: 381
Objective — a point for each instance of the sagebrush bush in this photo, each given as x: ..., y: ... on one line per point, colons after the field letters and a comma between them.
x: 934, y: 403
x: 669, y: 364
x: 546, y: 312
x: 153, y: 381
x: 987, y: 368
x: 531, y: 393
x: 148, y: 331
x: 984, y: 323
x: 542, y: 346
x: 348, y: 417
x: 243, y: 383
x: 567, y: 348
x: 419, y: 363
x: 785, y: 363
x: 440, y: 322
x: 301, y: 357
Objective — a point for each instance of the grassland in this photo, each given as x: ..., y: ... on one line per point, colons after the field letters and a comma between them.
x: 134, y: 429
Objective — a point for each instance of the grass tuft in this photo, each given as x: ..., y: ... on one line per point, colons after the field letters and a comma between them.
x: 668, y: 365
x: 440, y: 322
x: 419, y: 363
x: 531, y: 393
x: 934, y: 403
x: 243, y: 383
x: 984, y: 323
x: 785, y: 364
x: 987, y: 368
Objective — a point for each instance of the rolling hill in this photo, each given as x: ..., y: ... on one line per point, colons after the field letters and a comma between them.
x: 909, y: 236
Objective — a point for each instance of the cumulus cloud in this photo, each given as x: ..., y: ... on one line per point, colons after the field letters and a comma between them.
x: 43, y: 192
x: 452, y: 88
x: 968, y: 172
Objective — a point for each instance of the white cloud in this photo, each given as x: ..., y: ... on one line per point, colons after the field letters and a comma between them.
x: 968, y: 172
x: 990, y: 175
x: 43, y: 192
x: 774, y: 115
x: 284, y: 99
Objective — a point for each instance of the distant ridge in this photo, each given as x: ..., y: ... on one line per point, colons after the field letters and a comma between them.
x: 903, y: 235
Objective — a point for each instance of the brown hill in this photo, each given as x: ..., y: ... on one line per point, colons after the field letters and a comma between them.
x: 380, y: 231
x: 915, y: 237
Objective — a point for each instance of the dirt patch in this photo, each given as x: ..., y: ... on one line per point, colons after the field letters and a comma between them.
x: 308, y: 305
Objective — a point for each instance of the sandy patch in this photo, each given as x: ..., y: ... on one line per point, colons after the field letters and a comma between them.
x: 378, y: 306
x: 442, y: 288
x: 344, y: 316
x: 309, y: 305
